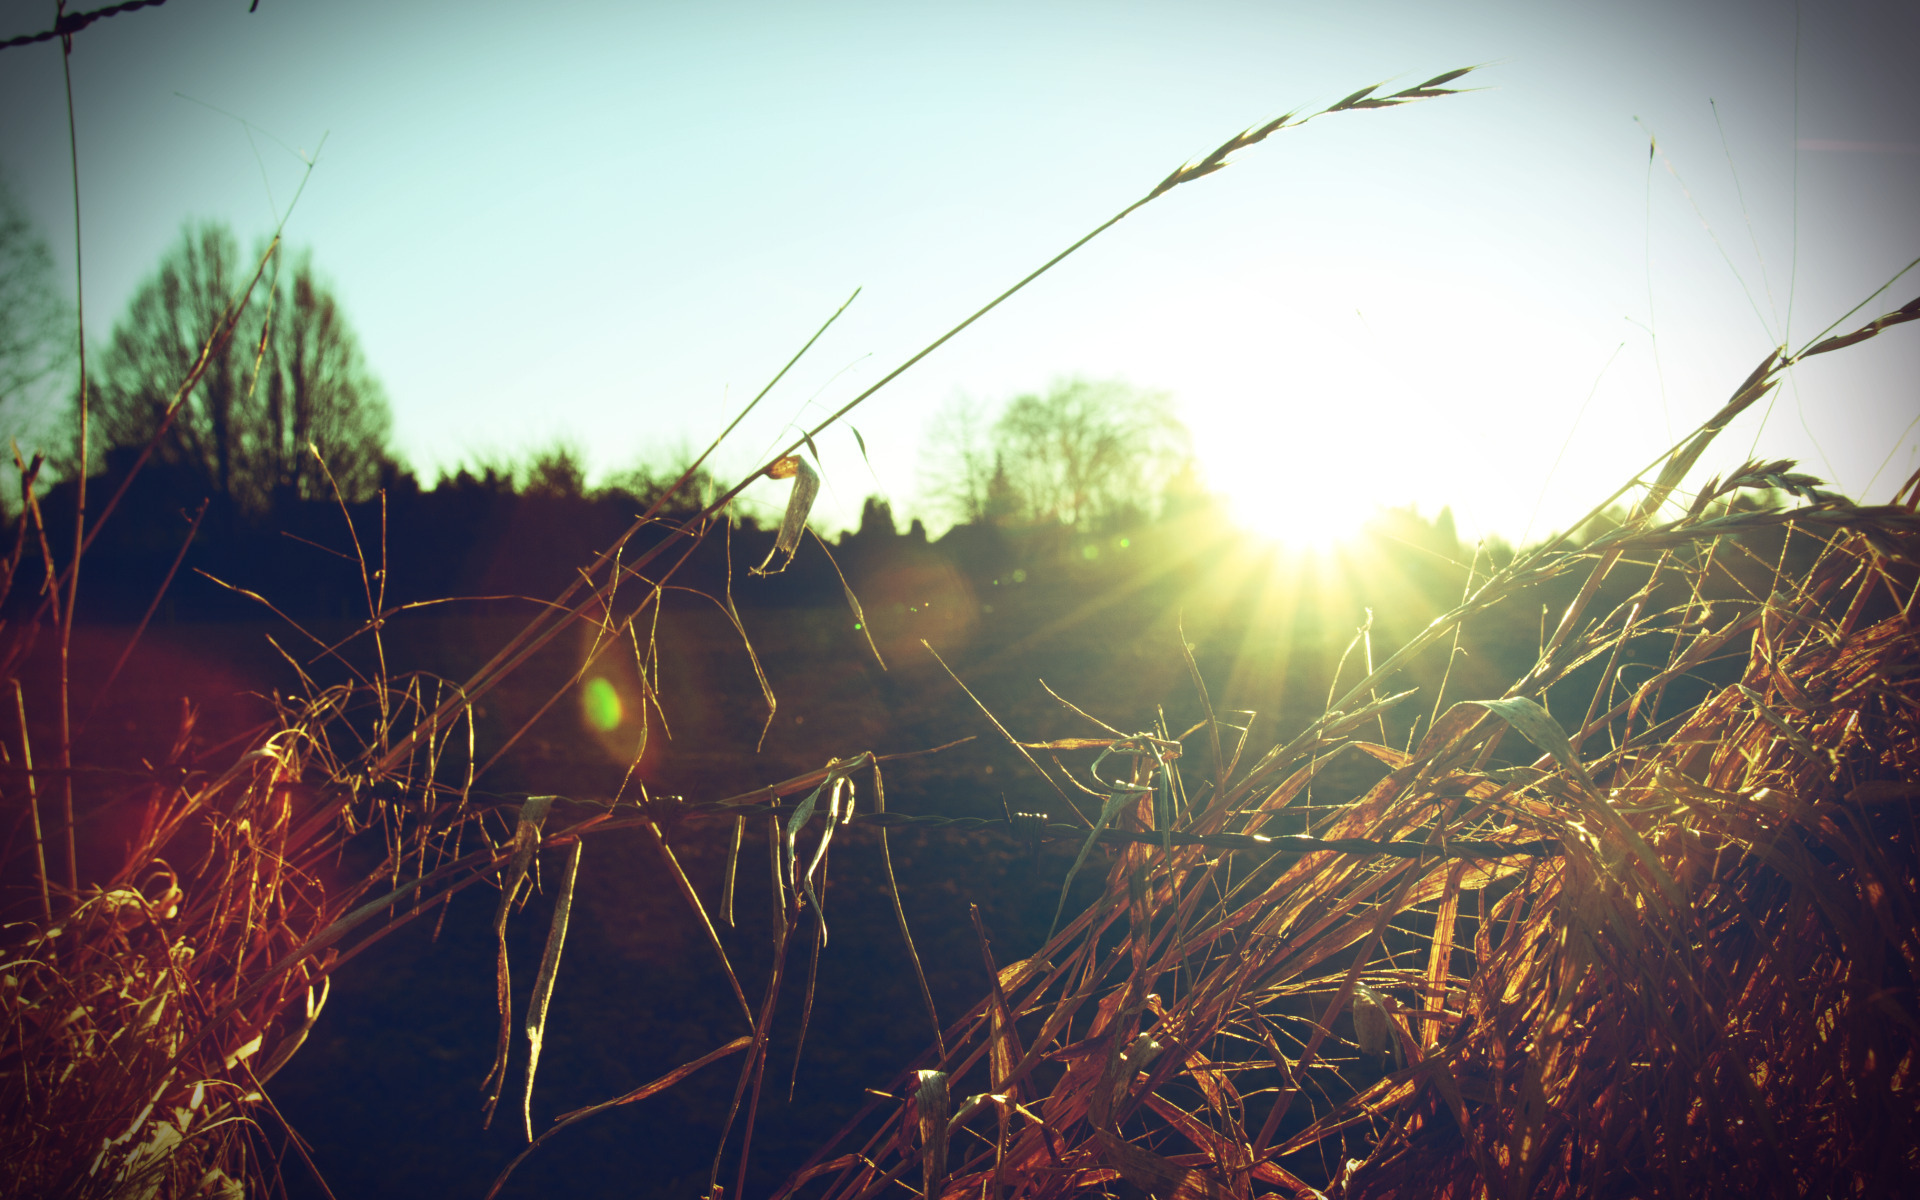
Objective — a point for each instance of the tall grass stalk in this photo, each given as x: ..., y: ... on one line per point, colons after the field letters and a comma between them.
x: 1706, y: 992
x: 1710, y: 987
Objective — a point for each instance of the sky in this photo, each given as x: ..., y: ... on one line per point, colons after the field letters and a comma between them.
x: 610, y: 224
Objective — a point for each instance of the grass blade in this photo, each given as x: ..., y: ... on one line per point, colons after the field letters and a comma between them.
x: 733, y: 867
x: 900, y: 915
x: 806, y: 1008
x: 543, y: 983
x: 1003, y: 1038
x: 930, y: 1104
x: 526, y: 839
x: 633, y: 1097
x: 699, y: 910
x: 853, y: 602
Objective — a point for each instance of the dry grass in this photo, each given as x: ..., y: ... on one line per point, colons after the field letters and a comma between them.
x: 143, y: 1012
x: 1709, y: 989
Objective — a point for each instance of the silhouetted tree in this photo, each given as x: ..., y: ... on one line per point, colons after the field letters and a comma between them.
x: 1085, y: 455
x: 291, y: 381
x: 36, y: 336
x: 646, y: 483
x: 957, y: 461
x: 1003, y: 505
x: 876, y: 519
x: 557, y: 471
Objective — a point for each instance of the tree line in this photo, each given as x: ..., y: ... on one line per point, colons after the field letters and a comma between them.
x: 287, y: 409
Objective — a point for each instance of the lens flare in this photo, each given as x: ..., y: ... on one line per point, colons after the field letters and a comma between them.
x: 600, y: 704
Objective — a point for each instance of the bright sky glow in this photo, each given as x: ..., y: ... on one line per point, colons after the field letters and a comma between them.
x: 611, y: 223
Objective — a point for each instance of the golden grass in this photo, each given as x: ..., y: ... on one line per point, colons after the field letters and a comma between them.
x: 1709, y: 989
x: 143, y: 1016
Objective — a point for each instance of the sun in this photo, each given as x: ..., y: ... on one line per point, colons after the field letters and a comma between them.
x: 1302, y: 523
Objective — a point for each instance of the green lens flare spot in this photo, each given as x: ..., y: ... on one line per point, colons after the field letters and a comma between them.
x: 601, y: 705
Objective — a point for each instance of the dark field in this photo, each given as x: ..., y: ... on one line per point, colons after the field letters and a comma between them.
x: 387, y: 1089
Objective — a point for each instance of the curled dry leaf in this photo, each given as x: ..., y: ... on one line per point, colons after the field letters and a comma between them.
x: 806, y: 485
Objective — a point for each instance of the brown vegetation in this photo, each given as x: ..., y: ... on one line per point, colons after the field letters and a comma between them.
x: 1667, y: 948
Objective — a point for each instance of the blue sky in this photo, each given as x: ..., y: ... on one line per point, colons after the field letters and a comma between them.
x: 611, y: 223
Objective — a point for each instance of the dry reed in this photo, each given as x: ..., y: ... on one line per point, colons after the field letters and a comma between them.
x: 1709, y: 989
